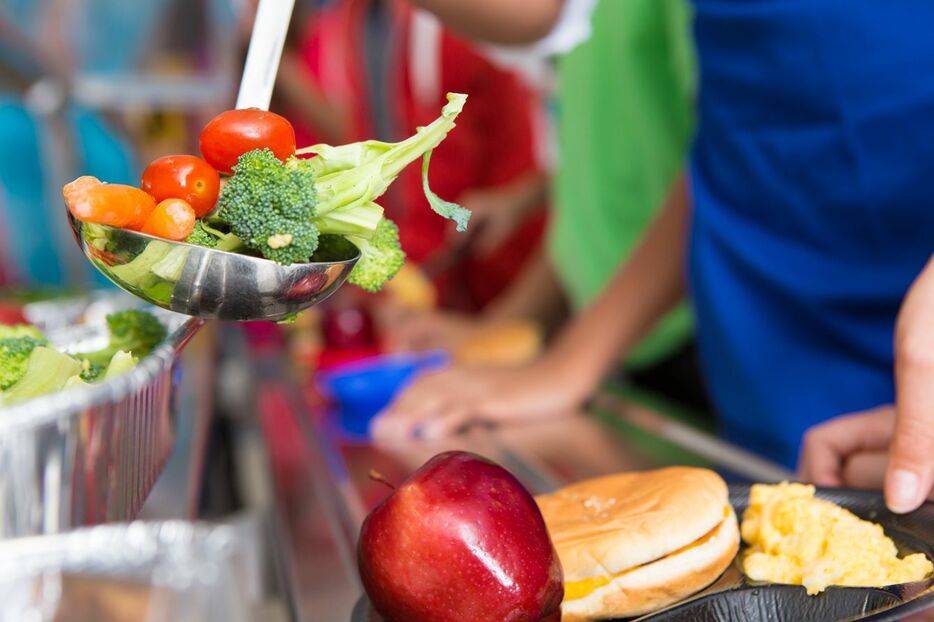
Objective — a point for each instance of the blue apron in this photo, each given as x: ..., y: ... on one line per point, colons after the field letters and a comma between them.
x: 813, y: 182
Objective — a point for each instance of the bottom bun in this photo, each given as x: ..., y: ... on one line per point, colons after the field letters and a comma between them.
x: 660, y: 583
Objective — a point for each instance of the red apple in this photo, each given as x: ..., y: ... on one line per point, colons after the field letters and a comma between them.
x: 460, y: 541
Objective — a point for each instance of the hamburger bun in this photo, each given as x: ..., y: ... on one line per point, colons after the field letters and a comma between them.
x: 507, y: 344
x: 412, y: 290
x: 633, y: 543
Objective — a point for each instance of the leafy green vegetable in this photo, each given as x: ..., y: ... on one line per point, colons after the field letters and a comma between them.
x: 47, y: 371
x: 16, y: 331
x: 451, y: 211
x: 15, y: 353
x: 210, y: 235
x: 201, y: 235
x: 350, y: 176
x: 170, y: 267
x: 381, y: 257
x: 138, y: 272
x: 29, y: 367
x: 133, y: 331
x: 361, y: 220
x: 121, y: 363
x: 91, y: 372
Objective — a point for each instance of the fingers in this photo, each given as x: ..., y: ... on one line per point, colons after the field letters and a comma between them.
x: 403, y: 418
x: 452, y: 421
x: 827, y: 446
x: 435, y: 406
x: 865, y: 470
x: 911, y: 459
x: 417, y: 333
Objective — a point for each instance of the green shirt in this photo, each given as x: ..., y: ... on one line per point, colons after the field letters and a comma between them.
x: 626, y: 120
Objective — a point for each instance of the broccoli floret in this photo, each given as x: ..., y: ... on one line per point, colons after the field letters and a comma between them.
x: 47, y: 371
x: 269, y: 207
x: 381, y: 257
x: 200, y: 236
x: 20, y: 330
x: 313, y: 209
x: 15, y: 353
x: 334, y: 248
x: 213, y: 235
x: 91, y: 372
x: 29, y: 368
x: 121, y: 363
x: 133, y: 331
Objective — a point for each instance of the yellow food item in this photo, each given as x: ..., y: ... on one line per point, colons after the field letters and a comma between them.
x: 797, y: 539
x: 509, y: 344
x: 411, y: 289
x: 574, y: 590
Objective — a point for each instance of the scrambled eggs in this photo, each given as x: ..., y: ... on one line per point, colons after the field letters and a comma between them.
x: 796, y: 539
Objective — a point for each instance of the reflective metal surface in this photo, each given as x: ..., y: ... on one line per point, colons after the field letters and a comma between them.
x: 90, y: 455
x: 170, y: 571
x: 208, y: 283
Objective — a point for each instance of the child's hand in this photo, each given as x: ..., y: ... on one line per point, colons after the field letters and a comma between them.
x: 443, y: 404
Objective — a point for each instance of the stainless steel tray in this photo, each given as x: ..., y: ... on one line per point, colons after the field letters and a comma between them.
x: 89, y: 456
x: 145, y: 572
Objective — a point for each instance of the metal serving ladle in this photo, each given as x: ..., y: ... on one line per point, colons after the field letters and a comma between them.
x: 209, y: 283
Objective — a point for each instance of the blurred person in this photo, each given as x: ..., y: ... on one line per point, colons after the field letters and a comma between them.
x: 621, y: 142
x: 370, y: 69
x: 39, y: 244
x: 805, y: 217
x: 49, y: 138
x: 6, y: 266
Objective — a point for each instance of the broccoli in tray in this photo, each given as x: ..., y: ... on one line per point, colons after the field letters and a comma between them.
x: 276, y: 202
x: 30, y: 367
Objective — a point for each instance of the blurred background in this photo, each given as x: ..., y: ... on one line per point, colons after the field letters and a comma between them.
x: 98, y: 88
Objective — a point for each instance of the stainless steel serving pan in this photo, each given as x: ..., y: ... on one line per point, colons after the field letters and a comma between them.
x: 172, y: 571
x: 91, y: 455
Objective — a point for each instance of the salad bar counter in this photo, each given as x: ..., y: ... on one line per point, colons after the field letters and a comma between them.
x: 84, y: 457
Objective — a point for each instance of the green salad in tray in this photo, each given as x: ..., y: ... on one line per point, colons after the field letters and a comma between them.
x: 31, y: 367
x: 255, y: 193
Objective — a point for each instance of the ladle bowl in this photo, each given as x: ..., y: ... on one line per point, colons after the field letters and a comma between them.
x: 208, y: 283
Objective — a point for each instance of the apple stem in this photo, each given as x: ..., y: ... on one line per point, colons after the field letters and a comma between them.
x: 376, y: 476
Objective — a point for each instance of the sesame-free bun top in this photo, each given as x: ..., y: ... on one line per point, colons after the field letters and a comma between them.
x: 509, y: 344
x: 610, y: 524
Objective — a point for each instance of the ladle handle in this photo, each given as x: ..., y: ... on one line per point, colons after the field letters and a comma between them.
x: 262, y: 60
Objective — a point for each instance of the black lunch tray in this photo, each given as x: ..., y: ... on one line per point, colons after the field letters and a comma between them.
x: 733, y: 598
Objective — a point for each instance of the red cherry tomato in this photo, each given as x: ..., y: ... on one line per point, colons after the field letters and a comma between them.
x: 173, y: 219
x: 12, y: 314
x: 231, y: 134
x: 183, y: 177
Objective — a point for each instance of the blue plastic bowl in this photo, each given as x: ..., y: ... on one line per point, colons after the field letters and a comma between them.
x: 363, y: 389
